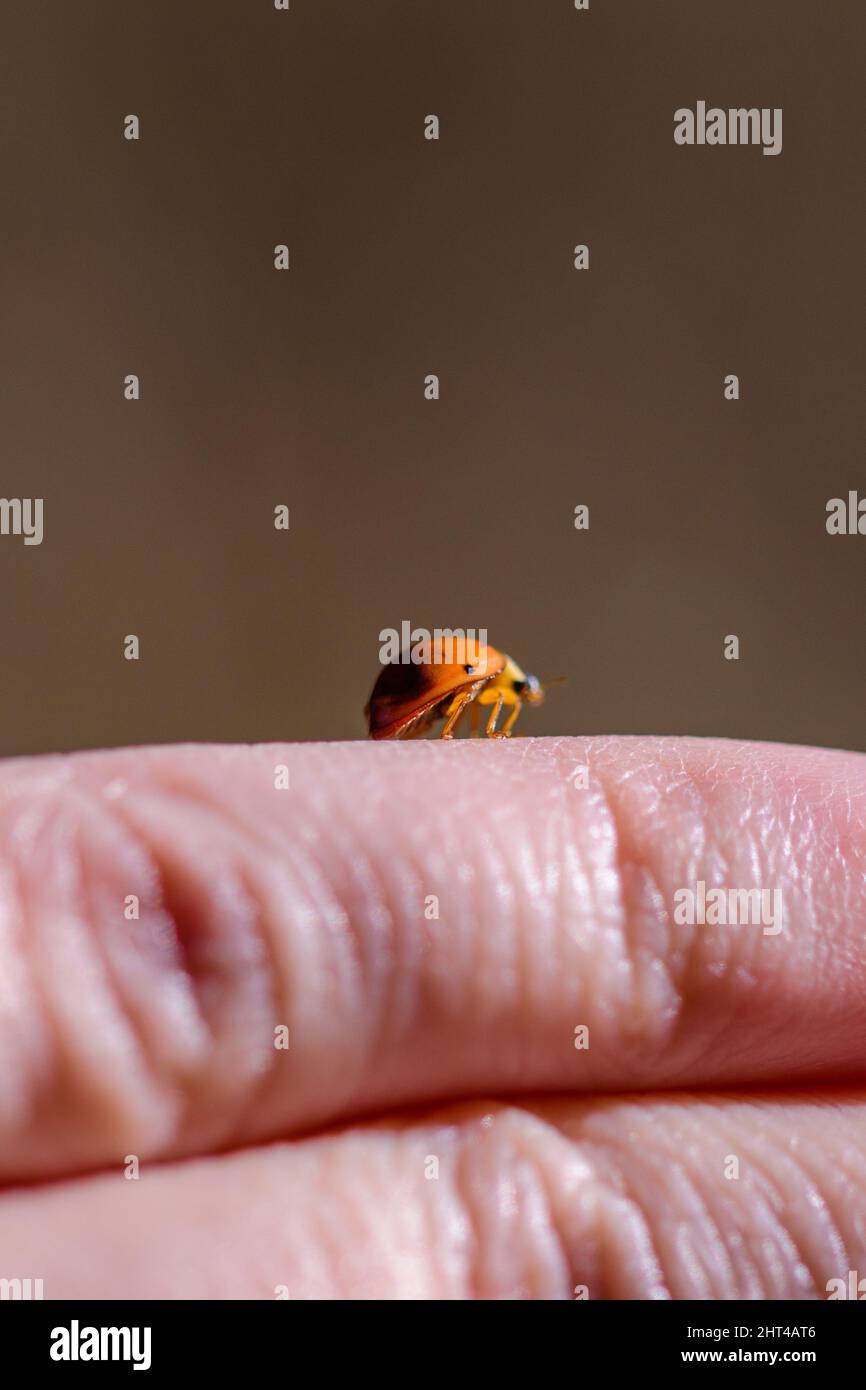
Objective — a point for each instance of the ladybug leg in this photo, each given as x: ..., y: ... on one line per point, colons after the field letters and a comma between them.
x: 494, y: 715
x: 505, y: 731
x: 457, y: 709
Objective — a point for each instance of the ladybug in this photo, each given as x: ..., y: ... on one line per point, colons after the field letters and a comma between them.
x: 408, y: 698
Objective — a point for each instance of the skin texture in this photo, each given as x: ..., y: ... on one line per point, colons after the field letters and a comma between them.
x: 422, y: 1044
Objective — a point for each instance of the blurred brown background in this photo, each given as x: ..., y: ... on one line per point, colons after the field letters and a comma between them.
x: 411, y: 257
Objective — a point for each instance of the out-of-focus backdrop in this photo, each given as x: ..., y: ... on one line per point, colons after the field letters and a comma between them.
x: 410, y: 257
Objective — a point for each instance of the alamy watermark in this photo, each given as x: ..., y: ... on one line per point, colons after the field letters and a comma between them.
x: 728, y: 907
x: 77, y: 1343
x: 853, y: 1287
x: 444, y: 646
x: 21, y: 1290
x: 22, y: 516
x: 738, y: 125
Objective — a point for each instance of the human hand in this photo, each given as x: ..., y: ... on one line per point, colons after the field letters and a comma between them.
x: 436, y: 1127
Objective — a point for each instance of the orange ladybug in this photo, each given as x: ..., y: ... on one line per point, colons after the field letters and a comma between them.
x: 409, y: 697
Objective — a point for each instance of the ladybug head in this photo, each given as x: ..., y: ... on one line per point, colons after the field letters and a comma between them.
x: 530, y: 689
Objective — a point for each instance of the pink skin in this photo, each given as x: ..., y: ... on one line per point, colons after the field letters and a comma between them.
x: 558, y: 1166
